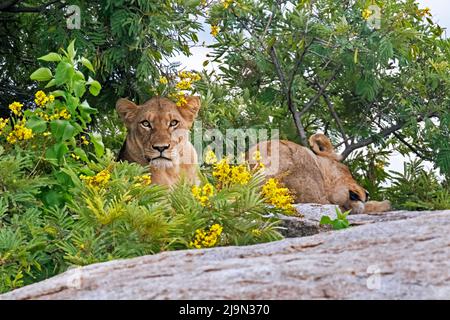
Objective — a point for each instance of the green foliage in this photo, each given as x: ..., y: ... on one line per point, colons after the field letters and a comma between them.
x: 128, y: 43
x: 339, y: 223
x: 418, y: 189
x: 69, y: 203
x: 322, y: 62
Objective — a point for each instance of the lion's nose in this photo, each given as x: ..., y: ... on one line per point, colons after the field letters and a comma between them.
x: 161, y: 148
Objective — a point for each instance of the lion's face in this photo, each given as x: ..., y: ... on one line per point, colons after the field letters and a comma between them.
x: 347, y: 192
x: 158, y: 130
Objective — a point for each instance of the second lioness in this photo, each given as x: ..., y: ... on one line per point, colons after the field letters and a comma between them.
x: 316, y: 178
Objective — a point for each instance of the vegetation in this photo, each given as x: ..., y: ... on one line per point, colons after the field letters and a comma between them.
x: 64, y: 200
x: 300, y: 67
x: 339, y: 223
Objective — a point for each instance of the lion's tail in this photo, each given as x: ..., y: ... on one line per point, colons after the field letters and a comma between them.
x: 322, y: 146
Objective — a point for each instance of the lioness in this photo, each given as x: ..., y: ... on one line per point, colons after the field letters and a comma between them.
x: 158, y: 135
x: 316, y: 178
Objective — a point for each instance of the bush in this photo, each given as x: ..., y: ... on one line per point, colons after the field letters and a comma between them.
x: 65, y: 201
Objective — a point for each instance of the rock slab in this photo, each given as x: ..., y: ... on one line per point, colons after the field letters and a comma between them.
x: 394, y: 258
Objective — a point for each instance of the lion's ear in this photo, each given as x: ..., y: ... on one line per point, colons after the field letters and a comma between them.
x: 190, y: 111
x: 126, y: 110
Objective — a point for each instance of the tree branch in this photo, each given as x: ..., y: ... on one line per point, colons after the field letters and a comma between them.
x: 384, y: 133
x: 308, y: 106
x: 336, y: 118
x: 287, y: 92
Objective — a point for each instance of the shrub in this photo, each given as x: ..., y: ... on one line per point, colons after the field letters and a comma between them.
x: 65, y: 201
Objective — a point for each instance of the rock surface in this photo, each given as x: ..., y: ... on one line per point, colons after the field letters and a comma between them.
x: 398, y: 255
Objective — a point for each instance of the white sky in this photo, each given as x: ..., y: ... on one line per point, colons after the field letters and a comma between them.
x: 440, y: 10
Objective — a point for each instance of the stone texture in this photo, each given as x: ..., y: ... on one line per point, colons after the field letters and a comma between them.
x: 405, y: 258
x: 309, y: 223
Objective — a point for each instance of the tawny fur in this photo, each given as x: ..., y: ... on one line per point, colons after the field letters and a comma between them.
x: 314, y: 178
x: 321, y: 145
x: 140, y: 142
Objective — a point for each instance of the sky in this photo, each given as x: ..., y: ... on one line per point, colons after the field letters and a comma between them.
x: 440, y: 10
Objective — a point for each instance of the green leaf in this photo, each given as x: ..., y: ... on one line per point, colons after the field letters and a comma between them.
x: 41, y: 74
x: 79, y: 88
x: 99, y: 147
x: 80, y: 152
x: 62, y: 130
x: 64, y: 73
x: 325, y: 220
x: 95, y: 88
x: 52, y: 56
x: 85, y: 62
x: 37, y: 124
x: 55, y: 153
x: 71, y: 50
x: 51, y: 83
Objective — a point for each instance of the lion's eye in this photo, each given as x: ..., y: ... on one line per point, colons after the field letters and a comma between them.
x: 146, y: 124
x: 173, y: 123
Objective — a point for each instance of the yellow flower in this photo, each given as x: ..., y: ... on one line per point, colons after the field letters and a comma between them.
x: 20, y: 133
x: 16, y: 108
x: 3, y: 124
x: 46, y: 134
x: 73, y: 155
x: 184, y: 85
x: 215, y: 30
x: 100, y: 180
x: 84, y: 140
x: 226, y: 174
x: 424, y: 12
x: 257, y: 156
x: 259, y: 165
x: 240, y: 174
x: 207, y: 239
x: 210, y: 157
x: 180, y: 98
x: 256, y: 232
x: 366, y: 13
x: 277, y: 195
x: 64, y: 114
x: 203, y: 194
x: 51, y: 98
x: 144, y: 180
x: 163, y: 80
x: 226, y: 3
x: 41, y: 98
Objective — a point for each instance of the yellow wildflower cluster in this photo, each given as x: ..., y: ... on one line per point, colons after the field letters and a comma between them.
x: 59, y: 114
x: 207, y: 239
x: 424, y: 12
x: 228, y: 174
x: 179, y: 97
x: 99, y: 180
x: 41, y: 99
x: 256, y: 232
x: 277, y: 195
x: 163, y: 80
x: 73, y: 155
x: 366, y: 13
x: 257, y: 157
x: 227, y: 3
x: 203, y: 194
x: 84, y: 140
x: 19, y: 133
x: 185, y: 83
x: 210, y: 157
x: 3, y: 124
x: 214, y: 30
x: 16, y: 108
x: 144, y: 180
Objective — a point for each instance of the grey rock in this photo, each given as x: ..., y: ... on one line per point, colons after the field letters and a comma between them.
x: 405, y: 258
